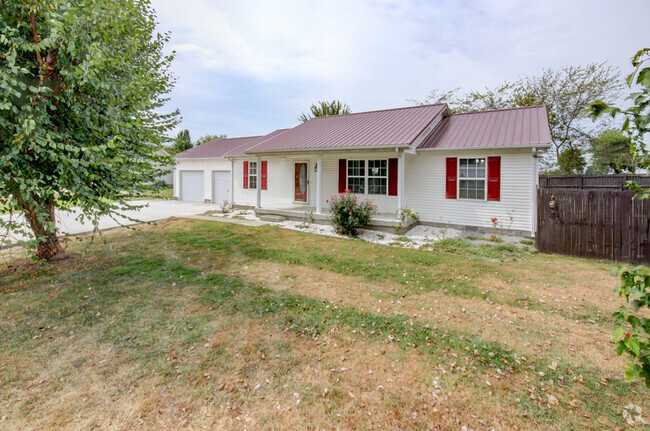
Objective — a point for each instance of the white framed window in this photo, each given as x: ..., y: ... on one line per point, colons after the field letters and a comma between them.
x: 368, y: 176
x: 252, y: 175
x: 357, y: 176
x: 377, y: 177
x: 471, y: 178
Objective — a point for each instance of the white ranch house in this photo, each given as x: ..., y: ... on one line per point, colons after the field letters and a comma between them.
x: 458, y: 170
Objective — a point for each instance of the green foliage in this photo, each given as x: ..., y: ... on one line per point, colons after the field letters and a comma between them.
x: 183, y: 141
x: 565, y: 92
x: 632, y: 334
x: 83, y: 87
x: 206, y: 138
x: 636, y: 118
x: 323, y: 109
x: 612, y: 152
x: 405, y: 216
x: 349, y: 213
x: 572, y: 161
x: 635, y: 281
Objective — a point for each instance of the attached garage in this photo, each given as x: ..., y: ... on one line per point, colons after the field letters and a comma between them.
x: 220, y: 187
x: 191, y: 186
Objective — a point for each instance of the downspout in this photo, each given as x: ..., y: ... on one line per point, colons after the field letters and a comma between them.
x: 232, y: 182
x: 534, y: 191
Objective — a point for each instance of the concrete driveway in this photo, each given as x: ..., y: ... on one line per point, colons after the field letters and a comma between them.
x: 156, y: 210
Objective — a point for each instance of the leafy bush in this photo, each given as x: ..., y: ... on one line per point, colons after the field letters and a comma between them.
x: 632, y: 335
x: 405, y: 216
x: 349, y: 213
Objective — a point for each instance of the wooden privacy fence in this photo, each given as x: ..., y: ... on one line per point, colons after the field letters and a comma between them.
x: 592, y: 182
x: 602, y: 222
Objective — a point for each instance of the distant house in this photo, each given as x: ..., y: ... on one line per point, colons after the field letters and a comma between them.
x: 169, y: 178
x: 458, y: 170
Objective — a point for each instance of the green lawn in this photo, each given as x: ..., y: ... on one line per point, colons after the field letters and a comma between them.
x: 206, y: 325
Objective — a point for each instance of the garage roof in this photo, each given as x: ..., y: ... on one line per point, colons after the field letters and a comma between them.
x: 216, y: 147
x: 505, y: 128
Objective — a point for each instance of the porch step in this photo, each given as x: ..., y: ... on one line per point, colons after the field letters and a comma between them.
x: 272, y: 218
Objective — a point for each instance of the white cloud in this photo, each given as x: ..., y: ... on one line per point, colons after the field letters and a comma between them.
x: 377, y: 54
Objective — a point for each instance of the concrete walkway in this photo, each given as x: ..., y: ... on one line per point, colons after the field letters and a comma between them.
x: 68, y: 222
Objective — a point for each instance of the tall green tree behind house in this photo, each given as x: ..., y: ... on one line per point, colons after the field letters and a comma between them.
x: 323, y: 109
x: 612, y: 152
x: 205, y: 138
x: 566, y: 92
x: 84, y: 85
x: 183, y: 141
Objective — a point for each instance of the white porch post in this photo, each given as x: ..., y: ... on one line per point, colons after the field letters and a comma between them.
x: 319, y: 184
x: 400, y: 180
x: 259, y: 182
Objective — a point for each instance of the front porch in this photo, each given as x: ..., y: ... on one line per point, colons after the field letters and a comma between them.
x: 382, y: 222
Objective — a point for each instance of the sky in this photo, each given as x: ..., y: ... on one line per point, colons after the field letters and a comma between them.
x: 247, y: 67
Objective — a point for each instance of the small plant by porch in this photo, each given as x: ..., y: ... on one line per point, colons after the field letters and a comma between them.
x: 349, y: 213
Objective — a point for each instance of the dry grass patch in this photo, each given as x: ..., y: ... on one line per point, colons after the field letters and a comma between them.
x: 540, y: 334
x: 199, y: 325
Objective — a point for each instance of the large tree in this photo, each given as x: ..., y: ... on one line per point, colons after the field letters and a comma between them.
x: 611, y: 151
x: 566, y: 92
x: 323, y: 109
x: 83, y: 88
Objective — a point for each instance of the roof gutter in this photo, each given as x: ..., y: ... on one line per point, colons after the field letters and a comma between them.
x: 538, y: 147
x: 311, y: 150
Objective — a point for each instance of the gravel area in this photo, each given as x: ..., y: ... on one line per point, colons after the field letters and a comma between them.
x: 415, y: 238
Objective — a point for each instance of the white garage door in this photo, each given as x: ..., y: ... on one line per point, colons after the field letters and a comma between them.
x: 192, y: 186
x: 220, y: 187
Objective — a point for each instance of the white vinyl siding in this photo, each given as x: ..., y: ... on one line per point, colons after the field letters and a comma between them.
x: 425, y: 189
x: 424, y: 186
x: 280, y: 181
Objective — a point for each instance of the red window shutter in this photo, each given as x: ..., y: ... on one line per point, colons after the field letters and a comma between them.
x: 392, y: 177
x: 343, y: 175
x: 245, y: 175
x: 494, y: 178
x: 452, y: 177
x: 263, y: 174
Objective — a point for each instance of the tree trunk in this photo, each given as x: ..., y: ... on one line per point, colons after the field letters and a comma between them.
x: 48, y: 243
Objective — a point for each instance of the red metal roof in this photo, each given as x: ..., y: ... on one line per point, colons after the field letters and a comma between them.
x: 388, y: 128
x: 241, y: 150
x: 507, y: 128
x: 225, y: 147
x: 216, y: 147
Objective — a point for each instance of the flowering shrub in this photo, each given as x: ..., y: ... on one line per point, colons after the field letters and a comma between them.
x: 349, y: 213
x: 404, y: 217
x: 500, y: 226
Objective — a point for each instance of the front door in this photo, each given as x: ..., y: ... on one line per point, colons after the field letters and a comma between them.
x: 300, y: 182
